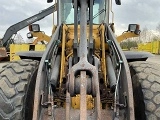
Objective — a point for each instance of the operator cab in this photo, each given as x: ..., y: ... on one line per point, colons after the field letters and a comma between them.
x: 66, y: 11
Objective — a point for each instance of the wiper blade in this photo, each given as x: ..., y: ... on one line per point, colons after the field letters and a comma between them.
x: 100, y: 12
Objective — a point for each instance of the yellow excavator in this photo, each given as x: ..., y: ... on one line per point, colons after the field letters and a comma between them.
x: 83, y: 74
x: 133, y: 31
x: 7, y: 51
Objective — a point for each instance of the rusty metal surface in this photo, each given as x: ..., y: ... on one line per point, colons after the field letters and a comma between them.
x: 41, y: 76
x: 68, y: 104
x: 106, y: 114
x: 84, y: 65
x: 126, y: 84
x: 83, y: 100
x: 83, y: 32
x: 3, y: 53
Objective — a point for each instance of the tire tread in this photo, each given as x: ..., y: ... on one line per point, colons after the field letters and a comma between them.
x: 147, y: 77
x: 15, y: 78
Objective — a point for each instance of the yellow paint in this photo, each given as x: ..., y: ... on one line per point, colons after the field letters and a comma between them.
x: 156, y: 47
x: 126, y: 35
x: 62, y: 70
x: 103, y: 59
x: 14, y: 48
x: 100, y: 46
x: 67, y: 51
x: 40, y: 47
x: 145, y: 47
x: 40, y: 37
x: 17, y: 48
x: 152, y: 47
x: 75, y: 102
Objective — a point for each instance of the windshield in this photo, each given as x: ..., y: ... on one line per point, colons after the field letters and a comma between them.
x: 67, y: 12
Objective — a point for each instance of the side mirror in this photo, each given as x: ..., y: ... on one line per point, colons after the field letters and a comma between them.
x: 49, y: 1
x: 34, y: 28
x: 134, y: 28
x: 112, y: 27
x: 118, y: 2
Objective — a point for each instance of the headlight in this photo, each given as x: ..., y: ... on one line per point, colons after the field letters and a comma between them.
x: 29, y: 35
x: 34, y: 27
x: 132, y: 27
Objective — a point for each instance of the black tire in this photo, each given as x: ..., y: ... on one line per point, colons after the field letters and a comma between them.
x: 17, y: 83
x: 146, y: 90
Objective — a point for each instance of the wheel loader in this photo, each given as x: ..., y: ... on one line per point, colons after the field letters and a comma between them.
x: 83, y: 74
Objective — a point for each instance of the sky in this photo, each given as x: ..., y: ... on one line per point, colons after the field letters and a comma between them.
x: 143, y: 12
x: 14, y: 11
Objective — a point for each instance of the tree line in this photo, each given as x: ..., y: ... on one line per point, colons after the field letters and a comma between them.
x: 145, y: 36
x: 128, y: 44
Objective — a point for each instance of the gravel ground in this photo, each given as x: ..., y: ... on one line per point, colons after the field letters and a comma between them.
x: 155, y: 59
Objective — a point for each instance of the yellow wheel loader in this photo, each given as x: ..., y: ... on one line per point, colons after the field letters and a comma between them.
x: 82, y: 75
